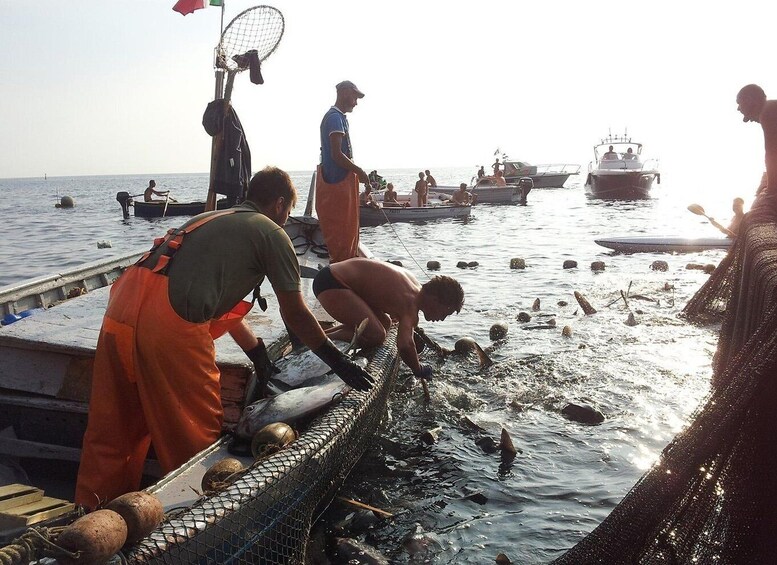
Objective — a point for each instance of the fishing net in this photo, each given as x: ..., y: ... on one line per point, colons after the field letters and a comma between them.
x: 710, y: 498
x: 266, y: 514
x: 259, y: 28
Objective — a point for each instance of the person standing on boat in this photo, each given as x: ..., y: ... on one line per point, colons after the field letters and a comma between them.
x: 481, y: 172
x: 754, y: 107
x: 422, y: 189
x: 155, y: 379
x: 338, y: 178
x: 495, y: 166
x: 381, y: 292
x: 148, y: 195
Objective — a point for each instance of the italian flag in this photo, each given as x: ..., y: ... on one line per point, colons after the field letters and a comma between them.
x: 184, y: 7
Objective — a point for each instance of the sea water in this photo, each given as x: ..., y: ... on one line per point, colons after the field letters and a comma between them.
x: 646, y: 379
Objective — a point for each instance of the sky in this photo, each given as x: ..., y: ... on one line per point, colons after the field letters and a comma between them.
x: 107, y: 87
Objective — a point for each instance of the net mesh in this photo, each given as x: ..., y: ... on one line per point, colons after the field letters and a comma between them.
x: 266, y: 514
x: 710, y: 498
x: 259, y: 28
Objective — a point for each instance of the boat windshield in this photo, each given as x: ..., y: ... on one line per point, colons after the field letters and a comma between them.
x: 618, y: 151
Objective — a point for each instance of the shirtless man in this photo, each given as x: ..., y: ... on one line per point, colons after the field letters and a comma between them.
x: 358, y: 288
x: 430, y: 179
x: 366, y: 198
x: 738, y: 206
x: 461, y: 196
x: 422, y: 188
x: 752, y: 103
x: 499, y: 179
x: 390, y: 197
x: 148, y: 195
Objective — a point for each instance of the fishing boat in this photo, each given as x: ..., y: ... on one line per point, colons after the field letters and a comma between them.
x: 163, y: 208
x: 47, y: 349
x: 663, y: 244
x: 618, y: 170
x: 485, y: 194
x: 369, y: 216
x: 543, y: 176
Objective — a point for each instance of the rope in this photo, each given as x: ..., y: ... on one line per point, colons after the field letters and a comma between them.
x: 399, y: 239
x: 31, y: 546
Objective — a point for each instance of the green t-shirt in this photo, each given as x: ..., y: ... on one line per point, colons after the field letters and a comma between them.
x: 221, y: 262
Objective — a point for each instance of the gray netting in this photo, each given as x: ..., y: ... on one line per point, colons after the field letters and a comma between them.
x: 265, y: 516
x: 711, y: 496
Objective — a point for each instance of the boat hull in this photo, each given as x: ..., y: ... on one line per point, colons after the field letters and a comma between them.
x: 543, y: 180
x: 627, y: 185
x: 510, y: 194
x: 663, y: 244
x: 157, y: 209
x: 374, y: 217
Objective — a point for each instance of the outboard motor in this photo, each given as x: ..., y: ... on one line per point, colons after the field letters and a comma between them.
x: 125, y: 200
x: 525, y: 184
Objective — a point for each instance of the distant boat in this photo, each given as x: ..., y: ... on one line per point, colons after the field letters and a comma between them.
x: 163, y: 208
x: 543, y: 176
x: 373, y: 217
x: 620, y: 173
x: 663, y: 244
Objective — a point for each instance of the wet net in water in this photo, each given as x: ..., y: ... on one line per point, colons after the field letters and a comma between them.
x: 710, y: 498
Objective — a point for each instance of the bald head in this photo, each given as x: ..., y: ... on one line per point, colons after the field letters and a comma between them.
x: 750, y: 102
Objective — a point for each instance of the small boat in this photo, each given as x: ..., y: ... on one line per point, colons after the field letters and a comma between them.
x: 485, y: 194
x: 543, y: 176
x: 618, y: 171
x: 47, y: 344
x: 663, y: 244
x: 369, y: 216
x: 163, y: 208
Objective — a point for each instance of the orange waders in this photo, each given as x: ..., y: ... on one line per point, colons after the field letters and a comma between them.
x: 155, y: 380
x: 337, y: 206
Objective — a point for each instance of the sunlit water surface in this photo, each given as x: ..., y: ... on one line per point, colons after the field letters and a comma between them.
x: 646, y: 379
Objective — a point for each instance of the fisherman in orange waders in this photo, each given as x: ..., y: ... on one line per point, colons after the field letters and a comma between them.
x: 155, y: 379
x: 338, y: 178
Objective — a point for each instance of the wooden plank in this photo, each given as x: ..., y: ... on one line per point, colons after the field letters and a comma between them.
x: 34, y: 512
x: 18, y: 495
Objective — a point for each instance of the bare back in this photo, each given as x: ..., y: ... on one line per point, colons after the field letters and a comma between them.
x: 383, y: 286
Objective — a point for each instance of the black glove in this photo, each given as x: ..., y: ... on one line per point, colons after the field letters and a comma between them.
x: 262, y: 365
x: 425, y: 372
x: 350, y: 373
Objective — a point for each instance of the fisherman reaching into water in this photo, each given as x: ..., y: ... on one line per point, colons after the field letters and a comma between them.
x: 155, y: 379
x: 353, y: 290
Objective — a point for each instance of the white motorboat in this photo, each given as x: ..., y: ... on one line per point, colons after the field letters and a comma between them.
x: 543, y: 176
x: 618, y: 170
x: 488, y: 194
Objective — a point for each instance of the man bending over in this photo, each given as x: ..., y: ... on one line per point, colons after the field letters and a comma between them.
x: 358, y: 288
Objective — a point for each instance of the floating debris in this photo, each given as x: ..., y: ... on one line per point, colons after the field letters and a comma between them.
x: 517, y: 263
x: 582, y: 414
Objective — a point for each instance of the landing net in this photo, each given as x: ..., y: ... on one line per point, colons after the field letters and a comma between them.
x: 712, y: 495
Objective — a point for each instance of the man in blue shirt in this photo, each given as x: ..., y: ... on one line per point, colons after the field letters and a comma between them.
x: 338, y: 178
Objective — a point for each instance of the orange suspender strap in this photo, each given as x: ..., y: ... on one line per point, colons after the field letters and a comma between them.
x: 175, y: 236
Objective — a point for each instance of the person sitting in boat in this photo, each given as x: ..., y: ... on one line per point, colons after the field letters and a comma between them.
x: 738, y: 206
x: 430, y: 179
x: 610, y: 155
x: 148, y: 195
x: 155, y: 380
x: 359, y: 288
x: 499, y: 179
x: 461, y: 196
x: 629, y: 155
x: 390, y: 197
x: 366, y: 198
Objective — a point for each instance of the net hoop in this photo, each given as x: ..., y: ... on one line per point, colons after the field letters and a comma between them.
x: 260, y: 28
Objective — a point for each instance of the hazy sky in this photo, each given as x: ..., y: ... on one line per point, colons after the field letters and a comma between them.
x: 109, y: 87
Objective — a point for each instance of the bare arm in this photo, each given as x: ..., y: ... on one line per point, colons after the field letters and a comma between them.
x: 244, y: 337
x: 769, y: 123
x: 406, y: 344
x: 300, y: 319
x: 342, y: 160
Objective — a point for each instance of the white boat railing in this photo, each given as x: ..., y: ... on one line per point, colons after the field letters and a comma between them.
x: 557, y: 169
